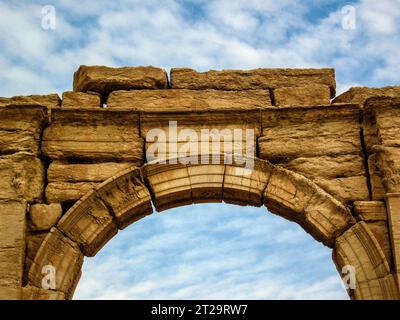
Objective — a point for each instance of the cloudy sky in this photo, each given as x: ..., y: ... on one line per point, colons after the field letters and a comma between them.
x: 203, y: 251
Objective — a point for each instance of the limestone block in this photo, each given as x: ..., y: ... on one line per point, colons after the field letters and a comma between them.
x: 244, y: 185
x: 72, y: 99
x: 346, y: 189
x: 22, y: 176
x: 20, y: 128
x: 307, y: 95
x: 70, y: 182
x: 381, y: 132
x: 180, y: 133
x: 322, y: 145
x: 61, y: 253
x: 388, y: 161
x: 67, y: 191
x: 100, y: 135
x: 185, y: 78
x: 188, y: 100
x: 105, y: 79
x: 343, y: 176
x: 371, y: 210
x: 361, y: 94
x: 386, y: 120
x: 289, y: 133
x: 89, y: 172
x: 381, y: 122
x: 127, y: 196
x: 89, y: 223
x: 12, y: 241
x: 328, y: 167
x: 50, y: 101
x: 44, y: 216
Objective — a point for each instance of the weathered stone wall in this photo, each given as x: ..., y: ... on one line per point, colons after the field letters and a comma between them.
x: 55, y: 151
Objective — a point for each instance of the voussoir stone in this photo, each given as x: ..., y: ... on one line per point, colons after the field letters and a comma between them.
x: 359, y: 248
x: 44, y: 216
x: 185, y: 78
x: 33, y: 242
x: 89, y: 223
x: 127, y: 196
x: 244, y: 183
x: 61, y: 253
x: 103, y: 79
x: 298, y: 199
x: 187, y: 100
x: 72, y: 99
x: 381, y: 232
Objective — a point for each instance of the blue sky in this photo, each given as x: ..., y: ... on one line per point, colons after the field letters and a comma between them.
x: 212, y: 251
x: 202, y: 251
x: 199, y: 34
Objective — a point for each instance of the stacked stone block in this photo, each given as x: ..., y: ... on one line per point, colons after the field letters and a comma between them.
x: 74, y: 170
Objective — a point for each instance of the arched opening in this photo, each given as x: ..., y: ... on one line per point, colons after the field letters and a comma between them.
x: 211, y: 251
x: 128, y: 196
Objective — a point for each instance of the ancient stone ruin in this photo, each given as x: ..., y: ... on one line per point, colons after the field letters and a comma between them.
x: 74, y: 171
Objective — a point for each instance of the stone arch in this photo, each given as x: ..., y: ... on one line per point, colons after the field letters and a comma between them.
x: 359, y: 248
x: 128, y: 196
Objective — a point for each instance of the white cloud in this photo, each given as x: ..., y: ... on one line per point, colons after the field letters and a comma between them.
x: 215, y: 34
